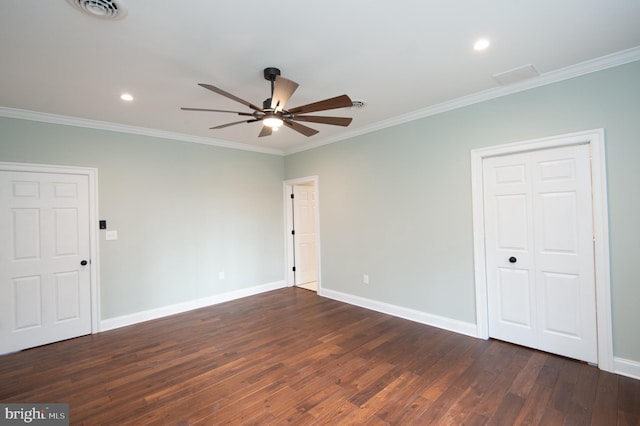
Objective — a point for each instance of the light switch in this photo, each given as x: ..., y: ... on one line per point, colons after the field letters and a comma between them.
x: 111, y: 235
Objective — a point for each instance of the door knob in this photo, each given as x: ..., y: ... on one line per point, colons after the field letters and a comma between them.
x: 512, y: 259
x: 83, y: 262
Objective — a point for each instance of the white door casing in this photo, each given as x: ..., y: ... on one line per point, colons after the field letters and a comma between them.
x: 304, y: 211
x: 46, y: 294
x: 539, y: 248
x: 593, y: 139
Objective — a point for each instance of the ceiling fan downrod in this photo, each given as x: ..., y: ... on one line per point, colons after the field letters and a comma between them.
x: 270, y: 73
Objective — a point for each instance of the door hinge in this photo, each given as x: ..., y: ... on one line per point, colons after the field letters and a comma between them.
x: 293, y: 269
x: 293, y: 232
x: 292, y: 196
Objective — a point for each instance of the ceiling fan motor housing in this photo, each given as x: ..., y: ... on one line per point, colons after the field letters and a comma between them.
x: 270, y: 73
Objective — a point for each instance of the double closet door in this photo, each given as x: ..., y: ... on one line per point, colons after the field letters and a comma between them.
x: 539, y: 248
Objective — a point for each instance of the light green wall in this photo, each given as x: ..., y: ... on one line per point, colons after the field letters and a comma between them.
x: 396, y: 204
x: 184, y: 212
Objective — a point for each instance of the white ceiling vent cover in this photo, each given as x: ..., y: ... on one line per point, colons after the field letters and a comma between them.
x: 102, y: 9
x: 515, y: 75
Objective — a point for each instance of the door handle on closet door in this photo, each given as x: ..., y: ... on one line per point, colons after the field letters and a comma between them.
x: 512, y: 259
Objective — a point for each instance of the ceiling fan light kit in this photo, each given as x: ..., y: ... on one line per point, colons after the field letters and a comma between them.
x: 273, y: 113
x: 272, y: 121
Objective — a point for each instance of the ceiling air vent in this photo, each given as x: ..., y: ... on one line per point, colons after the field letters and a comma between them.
x: 102, y: 9
x: 515, y: 75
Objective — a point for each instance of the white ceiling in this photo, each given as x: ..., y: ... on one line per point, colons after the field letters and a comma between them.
x: 398, y: 57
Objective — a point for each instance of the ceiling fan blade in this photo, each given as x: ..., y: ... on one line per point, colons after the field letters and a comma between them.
x: 222, y: 126
x: 266, y: 131
x: 336, y: 121
x: 342, y: 101
x: 307, y: 131
x: 229, y: 95
x: 282, y: 91
x: 217, y: 110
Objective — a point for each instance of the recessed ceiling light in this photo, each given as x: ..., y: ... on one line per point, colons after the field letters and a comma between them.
x: 481, y: 44
x: 126, y: 97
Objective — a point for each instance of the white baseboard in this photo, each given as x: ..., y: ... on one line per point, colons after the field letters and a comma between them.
x: 125, y: 320
x: 626, y: 367
x: 445, y: 323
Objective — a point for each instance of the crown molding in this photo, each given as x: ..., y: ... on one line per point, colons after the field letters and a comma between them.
x: 587, y: 67
x: 122, y: 128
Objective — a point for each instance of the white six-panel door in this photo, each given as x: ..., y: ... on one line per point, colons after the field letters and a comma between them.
x: 304, y: 205
x: 539, y: 248
x: 45, y: 293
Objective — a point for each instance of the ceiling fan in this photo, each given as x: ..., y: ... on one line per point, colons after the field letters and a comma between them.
x: 273, y: 114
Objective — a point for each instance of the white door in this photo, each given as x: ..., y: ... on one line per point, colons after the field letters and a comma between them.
x: 539, y: 245
x: 45, y: 293
x: 304, y: 225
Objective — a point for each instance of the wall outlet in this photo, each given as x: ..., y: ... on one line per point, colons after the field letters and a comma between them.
x: 111, y: 235
x: 365, y: 279
x: 221, y: 276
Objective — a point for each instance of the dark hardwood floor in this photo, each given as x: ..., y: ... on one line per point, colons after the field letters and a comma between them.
x: 289, y: 356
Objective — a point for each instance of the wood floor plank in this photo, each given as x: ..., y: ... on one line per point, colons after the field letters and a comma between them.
x: 537, y: 400
x: 436, y: 412
x: 493, y: 399
x: 605, y: 410
x: 508, y: 410
x: 629, y: 401
x: 526, y: 377
x: 292, y: 357
x: 397, y: 397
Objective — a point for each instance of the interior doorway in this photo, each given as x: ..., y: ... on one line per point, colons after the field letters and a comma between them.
x: 48, y: 283
x: 302, y: 233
